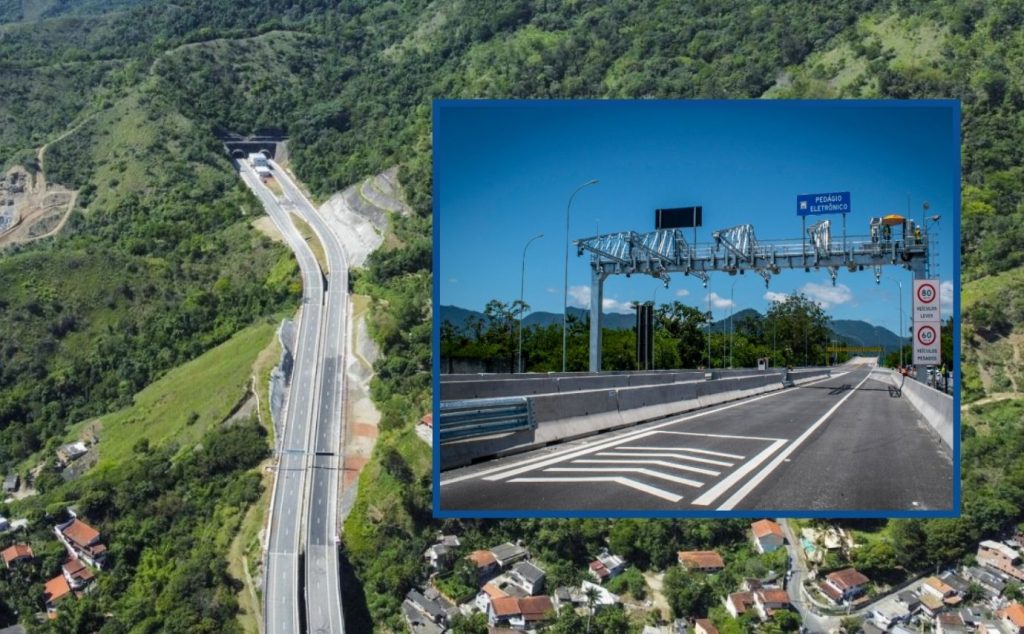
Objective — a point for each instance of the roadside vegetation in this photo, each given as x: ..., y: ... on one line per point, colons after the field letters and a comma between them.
x: 159, y: 264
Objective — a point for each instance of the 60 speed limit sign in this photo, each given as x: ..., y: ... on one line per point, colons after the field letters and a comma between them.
x: 927, y: 301
x: 926, y: 344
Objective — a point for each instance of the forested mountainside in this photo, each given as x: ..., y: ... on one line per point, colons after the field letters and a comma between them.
x: 159, y: 264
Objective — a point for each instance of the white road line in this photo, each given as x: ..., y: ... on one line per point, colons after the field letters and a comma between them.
x: 730, y: 436
x: 688, y: 449
x: 671, y: 453
x: 716, y: 491
x: 541, y: 462
x: 647, y: 472
x: 764, y: 473
x: 643, y: 433
x: 663, y: 463
x: 622, y: 454
x: 633, y: 484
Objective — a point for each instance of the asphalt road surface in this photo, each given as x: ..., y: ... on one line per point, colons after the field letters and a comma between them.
x: 846, y: 442
x: 281, y: 586
x: 323, y: 581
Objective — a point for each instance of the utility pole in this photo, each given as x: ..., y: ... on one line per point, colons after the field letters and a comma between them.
x: 565, y: 279
x: 522, y: 285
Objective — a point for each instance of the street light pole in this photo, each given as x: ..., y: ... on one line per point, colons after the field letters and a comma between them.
x: 565, y: 279
x: 731, y: 308
x: 522, y: 286
x: 654, y: 325
x: 900, y: 282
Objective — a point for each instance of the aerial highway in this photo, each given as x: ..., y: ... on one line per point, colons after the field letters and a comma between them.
x: 303, y: 524
x: 323, y: 581
x: 845, y: 442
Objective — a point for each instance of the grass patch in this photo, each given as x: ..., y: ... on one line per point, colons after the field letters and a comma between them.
x: 314, y: 243
x: 990, y: 288
x: 244, y: 558
x: 185, y: 402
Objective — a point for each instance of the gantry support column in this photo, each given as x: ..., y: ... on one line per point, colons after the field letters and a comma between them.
x: 597, y: 278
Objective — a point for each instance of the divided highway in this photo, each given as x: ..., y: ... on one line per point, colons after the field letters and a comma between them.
x: 846, y: 442
x: 304, y: 507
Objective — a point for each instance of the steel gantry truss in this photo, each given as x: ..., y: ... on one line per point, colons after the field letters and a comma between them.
x: 735, y: 251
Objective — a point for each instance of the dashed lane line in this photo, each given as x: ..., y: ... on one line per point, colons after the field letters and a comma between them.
x: 628, y: 482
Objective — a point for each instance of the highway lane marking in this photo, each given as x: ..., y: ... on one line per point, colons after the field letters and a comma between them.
x: 622, y: 454
x: 764, y: 473
x: 633, y: 484
x: 668, y: 453
x: 647, y: 472
x: 663, y: 463
x: 647, y: 431
x: 689, y: 449
x: 729, y: 436
x: 712, y: 494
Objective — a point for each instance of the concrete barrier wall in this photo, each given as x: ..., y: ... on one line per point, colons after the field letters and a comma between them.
x: 495, y: 386
x: 811, y: 374
x: 934, y: 406
x: 562, y: 417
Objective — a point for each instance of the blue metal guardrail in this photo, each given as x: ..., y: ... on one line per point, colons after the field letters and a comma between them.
x: 470, y: 418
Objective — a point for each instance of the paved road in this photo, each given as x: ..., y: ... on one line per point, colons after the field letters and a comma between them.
x: 281, y: 587
x: 323, y: 581
x: 306, y: 489
x: 841, y: 443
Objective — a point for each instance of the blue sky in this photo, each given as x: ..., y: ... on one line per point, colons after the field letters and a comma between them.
x: 505, y: 171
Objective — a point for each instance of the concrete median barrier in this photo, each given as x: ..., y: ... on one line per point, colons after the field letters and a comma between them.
x: 805, y: 375
x: 564, y: 416
x: 934, y: 406
x: 637, y: 404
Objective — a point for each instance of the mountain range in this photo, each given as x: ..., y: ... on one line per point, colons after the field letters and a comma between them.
x: 852, y: 331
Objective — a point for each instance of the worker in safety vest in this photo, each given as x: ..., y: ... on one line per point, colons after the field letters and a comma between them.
x: 886, y: 233
x: 917, y: 235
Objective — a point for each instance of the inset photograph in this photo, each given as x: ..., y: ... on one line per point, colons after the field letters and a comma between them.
x: 696, y: 308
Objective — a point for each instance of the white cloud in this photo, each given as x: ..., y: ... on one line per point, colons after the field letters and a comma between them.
x: 827, y: 295
x: 452, y: 280
x: 717, y: 301
x: 580, y: 296
x: 682, y: 292
x: 772, y: 296
x: 946, y: 297
x: 615, y: 306
x: 553, y: 290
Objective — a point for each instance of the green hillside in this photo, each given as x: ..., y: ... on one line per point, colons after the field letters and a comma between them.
x: 170, y: 268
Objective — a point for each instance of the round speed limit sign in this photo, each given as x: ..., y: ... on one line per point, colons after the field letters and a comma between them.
x: 926, y: 293
x: 926, y: 335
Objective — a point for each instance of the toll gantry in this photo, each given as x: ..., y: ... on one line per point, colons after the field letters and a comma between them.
x: 736, y: 250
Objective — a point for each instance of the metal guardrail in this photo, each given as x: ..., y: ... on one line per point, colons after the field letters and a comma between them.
x: 469, y: 418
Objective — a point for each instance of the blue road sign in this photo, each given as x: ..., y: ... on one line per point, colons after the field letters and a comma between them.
x: 820, y: 204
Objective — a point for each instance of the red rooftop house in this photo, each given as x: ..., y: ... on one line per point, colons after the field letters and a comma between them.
x: 701, y: 560
x: 767, y: 535
x: 843, y: 585
x: 16, y: 554
x: 77, y: 574
x: 55, y: 590
x: 82, y: 541
x: 1013, y: 618
x: 704, y: 626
